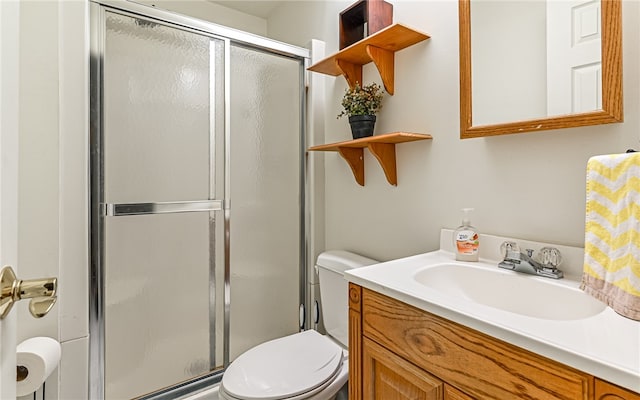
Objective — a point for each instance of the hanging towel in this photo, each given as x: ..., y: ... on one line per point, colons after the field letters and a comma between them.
x: 612, y: 233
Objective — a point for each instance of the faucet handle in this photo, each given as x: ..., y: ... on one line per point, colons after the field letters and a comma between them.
x: 550, y: 257
x: 510, y: 250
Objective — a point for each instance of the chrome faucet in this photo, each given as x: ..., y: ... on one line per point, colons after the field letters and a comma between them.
x: 549, y: 259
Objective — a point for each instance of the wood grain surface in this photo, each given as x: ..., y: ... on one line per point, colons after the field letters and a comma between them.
x: 477, y: 364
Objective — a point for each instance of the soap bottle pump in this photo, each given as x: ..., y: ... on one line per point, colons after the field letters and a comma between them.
x: 466, y: 241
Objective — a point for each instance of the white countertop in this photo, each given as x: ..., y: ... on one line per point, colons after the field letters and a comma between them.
x: 605, y: 345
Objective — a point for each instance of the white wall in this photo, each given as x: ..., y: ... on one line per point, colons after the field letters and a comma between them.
x: 38, y: 146
x: 38, y: 171
x: 52, y: 209
x: 212, y: 12
x: 528, y: 186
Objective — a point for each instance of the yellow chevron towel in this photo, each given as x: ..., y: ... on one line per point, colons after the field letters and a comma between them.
x: 612, y: 233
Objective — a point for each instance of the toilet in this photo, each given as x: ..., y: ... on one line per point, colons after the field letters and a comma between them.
x: 306, y: 365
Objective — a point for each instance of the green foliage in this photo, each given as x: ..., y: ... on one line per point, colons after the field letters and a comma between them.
x: 366, y: 100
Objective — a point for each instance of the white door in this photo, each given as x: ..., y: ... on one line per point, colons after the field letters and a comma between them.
x: 574, y: 72
x: 9, y: 17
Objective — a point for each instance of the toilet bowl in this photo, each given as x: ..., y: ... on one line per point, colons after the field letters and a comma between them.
x: 306, y: 365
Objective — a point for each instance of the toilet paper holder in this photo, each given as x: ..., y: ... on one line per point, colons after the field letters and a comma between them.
x: 42, y: 292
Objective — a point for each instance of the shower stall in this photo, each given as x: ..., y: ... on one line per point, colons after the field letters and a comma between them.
x: 197, y: 198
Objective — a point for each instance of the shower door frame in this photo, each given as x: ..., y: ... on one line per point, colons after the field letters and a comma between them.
x: 98, y: 209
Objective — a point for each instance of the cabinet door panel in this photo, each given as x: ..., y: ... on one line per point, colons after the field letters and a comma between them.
x: 607, y: 391
x: 389, y: 377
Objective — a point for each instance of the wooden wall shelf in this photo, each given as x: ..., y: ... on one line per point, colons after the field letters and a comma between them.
x: 379, y: 48
x: 383, y: 147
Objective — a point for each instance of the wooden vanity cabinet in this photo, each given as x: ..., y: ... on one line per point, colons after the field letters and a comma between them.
x: 400, y: 352
x: 607, y: 391
x: 451, y: 393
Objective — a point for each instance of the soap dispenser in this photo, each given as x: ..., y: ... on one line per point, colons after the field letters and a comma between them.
x: 466, y: 241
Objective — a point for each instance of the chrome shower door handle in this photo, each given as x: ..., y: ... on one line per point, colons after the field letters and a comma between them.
x: 42, y: 292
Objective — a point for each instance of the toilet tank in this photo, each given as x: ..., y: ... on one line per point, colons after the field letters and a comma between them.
x: 334, y: 290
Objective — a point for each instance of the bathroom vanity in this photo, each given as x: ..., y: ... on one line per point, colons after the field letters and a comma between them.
x: 413, y: 337
x: 407, y: 353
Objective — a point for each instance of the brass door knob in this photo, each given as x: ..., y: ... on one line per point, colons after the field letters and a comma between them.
x: 42, y: 292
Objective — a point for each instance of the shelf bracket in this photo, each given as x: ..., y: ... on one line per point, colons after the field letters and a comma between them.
x: 384, y: 61
x: 383, y: 148
x: 355, y: 159
x: 385, y: 153
x: 351, y: 72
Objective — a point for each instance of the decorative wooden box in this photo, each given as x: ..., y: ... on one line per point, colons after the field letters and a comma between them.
x: 362, y: 19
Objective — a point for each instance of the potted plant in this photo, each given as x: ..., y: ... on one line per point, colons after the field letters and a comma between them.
x: 361, y: 105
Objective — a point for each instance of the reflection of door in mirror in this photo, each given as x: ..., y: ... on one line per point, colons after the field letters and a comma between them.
x: 534, y: 59
x: 574, y: 67
x: 512, y: 80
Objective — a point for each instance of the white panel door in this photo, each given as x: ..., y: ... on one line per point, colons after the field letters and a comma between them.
x: 574, y: 72
x: 9, y: 17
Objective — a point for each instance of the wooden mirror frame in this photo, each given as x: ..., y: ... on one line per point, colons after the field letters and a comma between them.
x: 611, y: 14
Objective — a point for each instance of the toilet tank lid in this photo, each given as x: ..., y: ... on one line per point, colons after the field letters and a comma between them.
x: 342, y: 260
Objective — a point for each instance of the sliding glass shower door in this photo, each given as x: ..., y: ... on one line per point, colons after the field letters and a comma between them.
x: 197, y: 201
x: 162, y: 200
x: 266, y: 197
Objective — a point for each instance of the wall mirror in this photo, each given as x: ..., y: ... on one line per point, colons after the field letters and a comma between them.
x: 534, y: 65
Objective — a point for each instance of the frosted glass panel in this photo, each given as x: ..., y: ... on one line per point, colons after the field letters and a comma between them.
x: 156, y: 112
x: 163, y: 94
x: 265, y: 197
x: 156, y: 301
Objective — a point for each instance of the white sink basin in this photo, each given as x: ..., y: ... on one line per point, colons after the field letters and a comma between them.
x: 510, y: 291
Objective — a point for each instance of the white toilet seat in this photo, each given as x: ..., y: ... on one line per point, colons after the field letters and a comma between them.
x: 324, y: 392
x: 303, y: 396
x: 294, y: 367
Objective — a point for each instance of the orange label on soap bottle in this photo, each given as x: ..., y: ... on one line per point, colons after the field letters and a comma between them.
x: 467, y: 242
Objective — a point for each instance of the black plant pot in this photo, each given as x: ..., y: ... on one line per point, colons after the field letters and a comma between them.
x: 362, y: 125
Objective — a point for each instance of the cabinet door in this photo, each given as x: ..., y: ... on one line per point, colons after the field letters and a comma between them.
x: 607, y: 391
x: 451, y: 393
x: 389, y: 377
